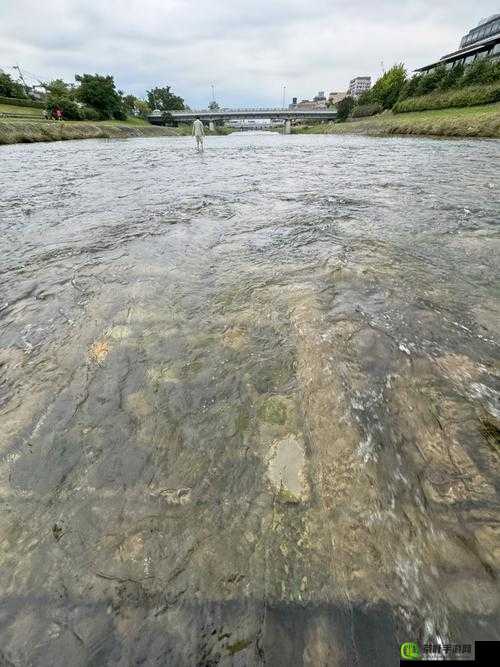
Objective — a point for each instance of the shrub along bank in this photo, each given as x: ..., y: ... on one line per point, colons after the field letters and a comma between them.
x: 461, y: 97
x: 363, y: 110
x: 480, y: 121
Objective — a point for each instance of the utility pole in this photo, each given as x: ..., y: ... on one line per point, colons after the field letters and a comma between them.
x: 283, y: 96
x: 18, y: 68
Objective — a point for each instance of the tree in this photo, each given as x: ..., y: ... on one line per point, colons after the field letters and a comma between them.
x: 69, y: 108
x: 9, y: 87
x: 61, y: 95
x: 431, y: 80
x: 60, y: 88
x: 142, y: 107
x: 387, y: 88
x: 129, y: 102
x: 480, y: 72
x: 365, y: 98
x: 453, y: 77
x: 136, y: 106
x: 213, y: 106
x: 99, y: 92
x: 164, y: 100
x: 410, y: 87
x: 344, y: 108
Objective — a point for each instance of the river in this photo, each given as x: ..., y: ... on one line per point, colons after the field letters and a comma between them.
x: 248, y: 400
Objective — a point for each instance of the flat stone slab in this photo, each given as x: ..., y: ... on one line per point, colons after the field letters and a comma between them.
x: 286, y: 467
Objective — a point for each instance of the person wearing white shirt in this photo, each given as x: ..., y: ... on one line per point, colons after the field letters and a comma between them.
x: 199, y: 134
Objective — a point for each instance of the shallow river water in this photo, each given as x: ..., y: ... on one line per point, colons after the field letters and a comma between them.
x: 248, y: 400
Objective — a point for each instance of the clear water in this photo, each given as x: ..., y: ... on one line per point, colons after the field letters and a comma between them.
x: 248, y: 400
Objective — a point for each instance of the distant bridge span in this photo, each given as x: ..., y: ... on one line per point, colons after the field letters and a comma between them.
x: 214, y: 115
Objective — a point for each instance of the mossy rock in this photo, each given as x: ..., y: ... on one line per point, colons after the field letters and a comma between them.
x: 274, y: 411
x: 242, y: 420
x: 287, y: 497
x: 238, y: 646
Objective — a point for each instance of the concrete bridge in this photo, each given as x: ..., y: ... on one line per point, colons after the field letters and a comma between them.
x: 211, y: 116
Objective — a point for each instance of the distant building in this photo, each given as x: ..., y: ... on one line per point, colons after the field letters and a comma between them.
x: 335, y: 97
x: 318, y: 102
x: 309, y: 104
x: 359, y: 85
x: 483, y: 41
x: 38, y: 92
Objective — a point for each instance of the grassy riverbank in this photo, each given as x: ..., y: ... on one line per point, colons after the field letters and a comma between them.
x: 17, y: 131
x: 27, y: 130
x: 25, y: 111
x: 481, y: 121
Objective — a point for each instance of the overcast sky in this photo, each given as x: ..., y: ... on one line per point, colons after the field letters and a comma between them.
x: 249, y: 49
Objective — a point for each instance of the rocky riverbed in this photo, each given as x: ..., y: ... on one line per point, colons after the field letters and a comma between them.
x: 248, y: 400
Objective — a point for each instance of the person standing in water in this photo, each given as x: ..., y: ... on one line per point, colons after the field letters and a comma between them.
x: 199, y: 133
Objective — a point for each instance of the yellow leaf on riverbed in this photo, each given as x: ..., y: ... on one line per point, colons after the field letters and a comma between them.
x: 99, y: 350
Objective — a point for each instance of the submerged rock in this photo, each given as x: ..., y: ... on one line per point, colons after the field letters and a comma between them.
x: 286, y: 469
x: 273, y: 410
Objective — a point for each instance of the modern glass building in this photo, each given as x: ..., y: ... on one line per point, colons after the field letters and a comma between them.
x: 483, y: 41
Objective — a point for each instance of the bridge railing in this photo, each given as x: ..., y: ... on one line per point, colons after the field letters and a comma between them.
x: 233, y: 110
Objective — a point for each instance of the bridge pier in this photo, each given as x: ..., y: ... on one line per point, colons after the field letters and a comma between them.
x: 211, y: 126
x: 288, y: 126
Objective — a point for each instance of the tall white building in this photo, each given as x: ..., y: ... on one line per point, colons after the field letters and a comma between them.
x: 359, y: 85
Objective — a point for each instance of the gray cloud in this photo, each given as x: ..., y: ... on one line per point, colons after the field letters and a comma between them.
x: 248, y: 48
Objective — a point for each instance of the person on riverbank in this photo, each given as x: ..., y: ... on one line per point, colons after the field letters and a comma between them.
x: 199, y: 134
